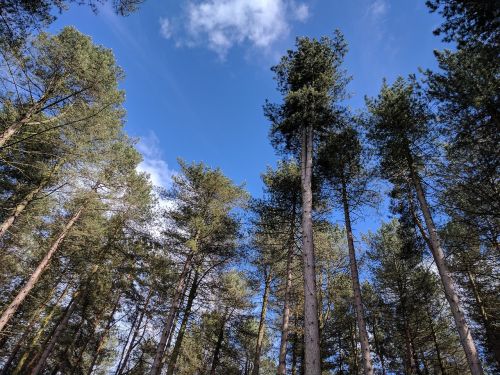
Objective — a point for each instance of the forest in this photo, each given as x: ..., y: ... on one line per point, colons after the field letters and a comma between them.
x: 101, y: 272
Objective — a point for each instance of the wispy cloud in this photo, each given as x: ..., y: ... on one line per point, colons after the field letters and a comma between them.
x: 222, y: 24
x: 153, y: 163
x: 165, y: 27
x: 378, y: 9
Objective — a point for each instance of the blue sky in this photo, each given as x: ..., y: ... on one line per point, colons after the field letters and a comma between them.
x: 198, y: 71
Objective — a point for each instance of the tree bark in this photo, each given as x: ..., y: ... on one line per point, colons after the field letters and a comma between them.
x: 262, y: 323
x: 39, y: 332
x: 312, y: 358
x: 182, y: 330
x: 7, y: 223
x: 104, y: 335
x: 176, y: 300
x: 436, y: 345
x: 136, y: 326
x: 358, y: 303
x: 12, y: 308
x: 492, y: 334
x: 444, y: 272
x: 55, y: 336
x: 218, y: 346
x: 28, y: 328
x: 286, y: 314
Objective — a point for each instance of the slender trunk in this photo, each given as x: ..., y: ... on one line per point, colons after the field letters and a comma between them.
x: 104, y: 335
x: 7, y: 223
x: 434, y: 340
x: 378, y: 349
x: 55, y: 336
x: 262, y: 322
x: 286, y: 313
x: 358, y: 303
x: 218, y: 346
x: 12, y: 308
x: 28, y: 329
x: 492, y: 336
x: 176, y: 300
x: 182, y: 330
x: 312, y: 358
x: 39, y: 333
x: 295, y: 345
x: 449, y: 286
x: 14, y: 127
x: 354, y: 348
x: 411, y: 367
x: 135, y: 329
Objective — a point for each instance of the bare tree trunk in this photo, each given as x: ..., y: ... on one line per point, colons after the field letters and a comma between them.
x: 176, y: 301
x: 218, y: 346
x: 55, y: 336
x: 104, y: 335
x: 182, y: 330
x: 7, y: 223
x: 378, y: 349
x: 28, y: 329
x: 262, y: 322
x: 136, y: 326
x: 39, y: 333
x: 286, y: 314
x: 295, y: 346
x: 411, y: 366
x: 312, y: 358
x: 358, y: 303
x: 492, y: 335
x: 434, y: 340
x: 449, y: 286
x: 12, y: 308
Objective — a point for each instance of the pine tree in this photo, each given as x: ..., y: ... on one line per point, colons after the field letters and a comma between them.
x: 311, y: 82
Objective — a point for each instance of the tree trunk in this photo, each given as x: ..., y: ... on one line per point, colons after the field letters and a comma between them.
x: 136, y: 326
x: 449, y: 286
x: 434, y: 340
x: 28, y: 329
x: 378, y: 349
x: 176, y: 300
x: 295, y: 345
x: 39, y: 333
x: 12, y: 308
x: 104, y: 335
x: 358, y: 303
x: 262, y: 323
x: 492, y: 335
x: 286, y: 313
x: 7, y: 223
x: 312, y: 358
x: 182, y: 330
x: 55, y: 336
x: 218, y: 346
x: 411, y: 366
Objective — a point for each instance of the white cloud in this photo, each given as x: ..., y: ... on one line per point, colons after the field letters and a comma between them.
x: 165, y: 28
x: 300, y: 12
x: 222, y: 24
x: 153, y: 163
x: 378, y: 8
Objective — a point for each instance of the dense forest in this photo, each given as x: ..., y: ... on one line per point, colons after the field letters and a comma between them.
x: 103, y: 273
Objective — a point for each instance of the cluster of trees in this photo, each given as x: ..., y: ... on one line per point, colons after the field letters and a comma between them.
x: 100, y: 272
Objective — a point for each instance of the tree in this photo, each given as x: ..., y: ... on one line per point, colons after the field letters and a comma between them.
x: 468, y: 21
x: 311, y: 82
x: 21, y: 18
x: 202, y: 223
x: 398, y: 127
x: 340, y: 161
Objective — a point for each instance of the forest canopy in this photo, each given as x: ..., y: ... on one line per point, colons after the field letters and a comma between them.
x: 102, y: 272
